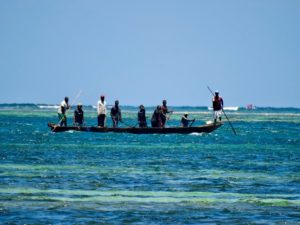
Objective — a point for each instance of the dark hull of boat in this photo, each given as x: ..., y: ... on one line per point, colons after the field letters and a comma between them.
x: 136, y: 130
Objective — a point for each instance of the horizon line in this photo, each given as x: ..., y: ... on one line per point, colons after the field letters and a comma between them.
x: 193, y: 106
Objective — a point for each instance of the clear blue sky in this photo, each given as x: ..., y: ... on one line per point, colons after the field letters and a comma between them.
x: 142, y: 51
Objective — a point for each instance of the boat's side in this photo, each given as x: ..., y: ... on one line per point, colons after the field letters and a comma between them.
x: 148, y: 130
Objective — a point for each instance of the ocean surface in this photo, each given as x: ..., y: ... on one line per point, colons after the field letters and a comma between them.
x: 107, y: 178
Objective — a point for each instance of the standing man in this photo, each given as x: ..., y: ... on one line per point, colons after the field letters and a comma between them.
x: 142, y: 117
x: 78, y: 115
x: 164, y: 110
x: 101, y: 110
x: 115, y: 114
x: 64, y: 106
x: 217, y: 102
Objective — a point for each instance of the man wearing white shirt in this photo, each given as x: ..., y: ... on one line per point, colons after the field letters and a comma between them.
x: 63, y: 107
x: 101, y: 110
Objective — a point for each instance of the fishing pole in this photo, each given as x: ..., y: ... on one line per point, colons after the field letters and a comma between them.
x: 192, y: 122
x: 128, y: 124
x: 223, y: 113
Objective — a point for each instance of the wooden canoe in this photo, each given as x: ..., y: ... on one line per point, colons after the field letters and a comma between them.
x: 207, y: 128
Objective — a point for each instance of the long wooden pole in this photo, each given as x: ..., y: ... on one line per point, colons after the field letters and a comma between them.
x: 223, y: 113
x: 128, y: 124
x: 192, y: 122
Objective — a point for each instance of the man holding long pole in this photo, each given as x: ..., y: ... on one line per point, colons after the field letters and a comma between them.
x: 221, y: 110
x: 218, y: 103
x: 63, y: 107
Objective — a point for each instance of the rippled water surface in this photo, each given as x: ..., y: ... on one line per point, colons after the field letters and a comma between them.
x: 108, y: 178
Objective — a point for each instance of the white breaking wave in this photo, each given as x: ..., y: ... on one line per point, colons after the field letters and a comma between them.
x: 209, y: 122
x: 230, y: 108
x: 48, y: 106
x: 196, y: 134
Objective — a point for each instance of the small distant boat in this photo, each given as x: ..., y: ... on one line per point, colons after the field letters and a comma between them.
x: 207, y: 128
x: 228, y: 108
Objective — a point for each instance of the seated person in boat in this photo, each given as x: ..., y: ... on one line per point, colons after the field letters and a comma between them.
x: 185, y: 121
x: 165, y: 112
x: 116, y: 114
x: 156, y: 117
x: 217, y: 102
x: 63, y: 107
x: 78, y: 115
x: 142, y: 121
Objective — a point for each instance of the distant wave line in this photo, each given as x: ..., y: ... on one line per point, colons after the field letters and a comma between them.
x: 230, y: 108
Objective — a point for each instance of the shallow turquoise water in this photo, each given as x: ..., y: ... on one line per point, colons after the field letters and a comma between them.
x: 93, y: 178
